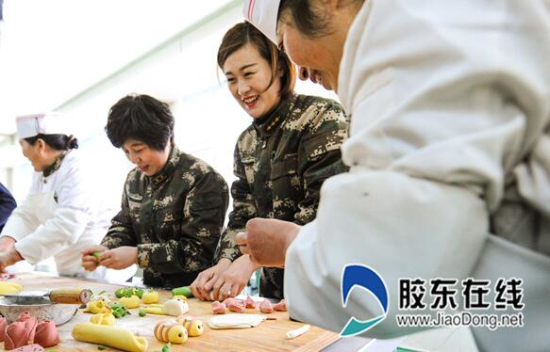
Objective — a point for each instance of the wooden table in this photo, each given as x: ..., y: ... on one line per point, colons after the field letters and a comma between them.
x: 268, y: 336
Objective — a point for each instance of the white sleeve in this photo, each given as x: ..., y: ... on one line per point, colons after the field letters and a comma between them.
x: 402, y: 227
x: 441, y: 113
x: 68, y: 223
x: 22, y: 221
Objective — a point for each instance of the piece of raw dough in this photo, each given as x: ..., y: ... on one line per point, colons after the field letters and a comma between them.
x: 281, y: 306
x: 297, y: 332
x: 120, y: 338
x: 235, y: 321
x: 218, y: 308
x: 266, y: 307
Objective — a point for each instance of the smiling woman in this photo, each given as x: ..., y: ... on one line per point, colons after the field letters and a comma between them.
x: 173, y: 204
x: 281, y: 160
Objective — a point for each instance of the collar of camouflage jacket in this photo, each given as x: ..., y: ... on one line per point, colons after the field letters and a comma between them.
x: 273, y: 119
x: 168, y: 169
x: 55, y: 166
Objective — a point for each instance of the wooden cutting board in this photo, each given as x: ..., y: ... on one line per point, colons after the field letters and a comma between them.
x: 268, y: 336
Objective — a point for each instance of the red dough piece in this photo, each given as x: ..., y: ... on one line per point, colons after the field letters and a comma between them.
x: 46, y: 334
x: 266, y: 306
x: 250, y: 303
x: 218, y: 308
x: 228, y: 301
x: 281, y: 306
x: 20, y: 332
x: 30, y: 324
x: 3, y: 324
x: 237, y: 306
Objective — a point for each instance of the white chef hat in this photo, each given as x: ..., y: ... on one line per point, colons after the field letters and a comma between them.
x: 44, y: 123
x: 263, y: 15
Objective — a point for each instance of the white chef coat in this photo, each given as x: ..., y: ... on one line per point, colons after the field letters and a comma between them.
x: 61, y: 215
x: 450, y: 116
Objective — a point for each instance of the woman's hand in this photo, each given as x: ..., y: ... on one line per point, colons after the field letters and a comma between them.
x: 6, y: 243
x: 202, y: 286
x: 119, y: 258
x: 9, y: 258
x: 233, y: 280
x: 90, y: 262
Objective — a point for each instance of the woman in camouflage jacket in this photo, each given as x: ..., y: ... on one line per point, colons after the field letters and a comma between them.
x: 281, y: 159
x: 173, y: 204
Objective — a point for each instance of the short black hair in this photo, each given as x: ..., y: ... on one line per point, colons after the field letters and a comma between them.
x: 143, y: 118
x: 308, y: 20
x: 55, y: 141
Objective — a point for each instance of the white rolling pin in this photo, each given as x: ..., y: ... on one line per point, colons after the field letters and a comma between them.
x: 295, y: 333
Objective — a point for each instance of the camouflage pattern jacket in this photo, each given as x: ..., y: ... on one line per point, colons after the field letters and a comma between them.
x: 281, y: 164
x: 175, y: 219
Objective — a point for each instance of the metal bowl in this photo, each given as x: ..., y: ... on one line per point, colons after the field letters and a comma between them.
x: 38, y: 307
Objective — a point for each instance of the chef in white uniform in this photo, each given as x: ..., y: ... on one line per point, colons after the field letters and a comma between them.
x: 449, y: 155
x: 61, y: 214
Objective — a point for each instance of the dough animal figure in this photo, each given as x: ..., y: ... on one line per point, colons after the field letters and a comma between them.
x: 103, y: 319
x: 281, y: 306
x: 170, y: 331
x: 97, y: 306
x: 250, y: 303
x: 46, y: 334
x: 237, y: 306
x: 194, y: 327
x: 21, y: 332
x: 266, y: 307
x: 175, y: 307
x: 218, y: 308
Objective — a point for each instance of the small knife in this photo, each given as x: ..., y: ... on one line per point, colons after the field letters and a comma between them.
x: 58, y: 295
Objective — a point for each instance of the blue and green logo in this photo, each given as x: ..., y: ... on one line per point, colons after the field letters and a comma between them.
x: 358, y: 275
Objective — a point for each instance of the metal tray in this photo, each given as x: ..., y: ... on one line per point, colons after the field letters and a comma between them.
x: 39, y: 307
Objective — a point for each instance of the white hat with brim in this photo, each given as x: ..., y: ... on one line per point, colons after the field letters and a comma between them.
x: 44, y: 123
x: 263, y: 15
